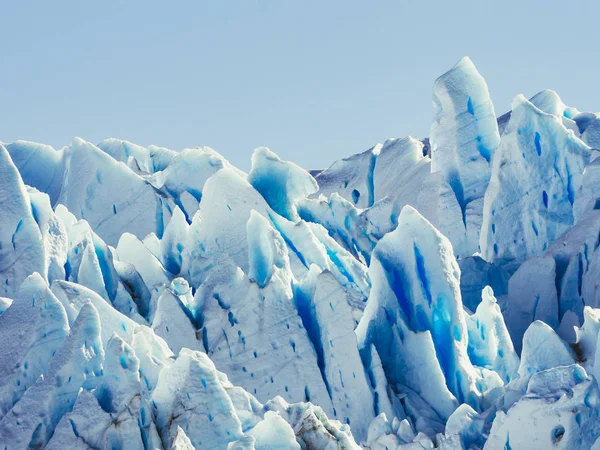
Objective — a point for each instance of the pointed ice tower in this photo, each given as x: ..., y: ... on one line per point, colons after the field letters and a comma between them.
x: 326, y: 314
x: 464, y: 136
x: 490, y: 344
x: 414, y: 316
x: 21, y: 245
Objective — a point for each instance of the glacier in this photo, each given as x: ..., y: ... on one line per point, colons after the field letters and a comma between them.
x: 427, y: 293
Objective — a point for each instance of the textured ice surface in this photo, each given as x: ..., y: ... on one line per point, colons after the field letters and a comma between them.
x: 545, y: 417
x: 490, y: 344
x: 437, y: 293
x: 536, y: 174
x: 414, y: 317
x: 93, y: 186
x: 21, y: 245
x: 464, y: 137
x: 281, y: 183
x: 352, y: 178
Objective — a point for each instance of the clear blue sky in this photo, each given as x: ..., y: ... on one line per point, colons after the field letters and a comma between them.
x: 312, y: 80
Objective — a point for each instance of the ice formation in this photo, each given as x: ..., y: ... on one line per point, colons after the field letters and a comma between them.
x: 538, y: 172
x: 464, y: 137
x: 436, y: 293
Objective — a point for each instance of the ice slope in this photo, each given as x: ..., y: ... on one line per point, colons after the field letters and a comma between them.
x: 147, y: 160
x: 104, y: 382
x: 184, y: 176
x: 536, y: 174
x: 464, y: 137
x: 388, y: 181
x: 161, y: 299
x: 281, y: 183
x: 76, y: 176
x: 566, y: 282
x: 547, y: 418
x: 22, y: 249
x: 464, y: 134
x: 343, y: 222
x: 257, y: 335
x: 415, y: 321
x: 352, y: 178
x: 490, y: 344
x: 400, y: 174
x: 549, y: 102
x: 77, y: 363
x: 32, y: 329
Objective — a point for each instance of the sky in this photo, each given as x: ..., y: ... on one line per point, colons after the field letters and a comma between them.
x: 314, y: 81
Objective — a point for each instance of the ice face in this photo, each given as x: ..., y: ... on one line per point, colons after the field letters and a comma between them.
x: 475, y: 275
x: 439, y: 206
x: 343, y: 221
x: 258, y: 336
x: 4, y: 304
x: 21, y: 244
x: 328, y: 318
x: 549, y: 102
x: 543, y: 418
x: 132, y: 251
x: 171, y: 322
x: 536, y: 173
x: 83, y: 427
x: 543, y: 349
x: 464, y: 134
x: 281, y: 183
x: 185, y: 175
x: 403, y: 174
x: 173, y: 242
x: 190, y: 394
x: 54, y: 234
x: 464, y: 425
x: 399, y: 170
x: 490, y: 344
x: 148, y: 160
x: 588, y: 193
x: 464, y: 137
x: 128, y: 202
x: 152, y: 298
x: 400, y: 174
x: 312, y: 427
x: 76, y: 364
x: 181, y: 441
x: 415, y: 314
x: 267, y: 251
x: 529, y: 301
x: 32, y: 329
x: 589, y: 126
x: 352, y: 178
x: 40, y: 166
x: 219, y: 226
x: 273, y: 432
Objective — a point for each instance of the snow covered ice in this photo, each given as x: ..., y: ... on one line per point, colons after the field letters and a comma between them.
x: 425, y: 293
